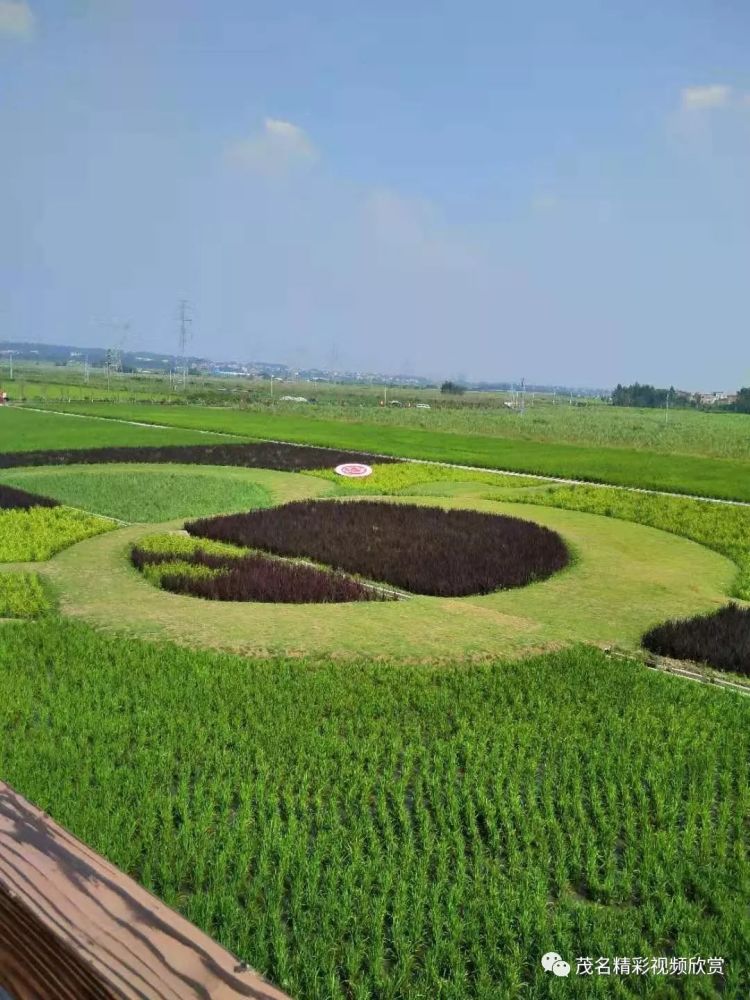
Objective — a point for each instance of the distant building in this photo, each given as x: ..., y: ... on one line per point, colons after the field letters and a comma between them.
x: 714, y: 398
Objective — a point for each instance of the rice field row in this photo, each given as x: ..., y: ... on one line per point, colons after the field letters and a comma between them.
x: 361, y: 831
x: 722, y: 477
x: 686, y: 431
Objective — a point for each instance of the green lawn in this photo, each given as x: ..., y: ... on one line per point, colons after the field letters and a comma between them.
x: 716, y: 477
x: 363, y: 830
x: 31, y: 430
x: 146, y: 493
x: 721, y: 527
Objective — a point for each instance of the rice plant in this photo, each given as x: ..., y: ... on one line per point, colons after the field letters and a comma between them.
x: 358, y: 830
x: 39, y: 532
x: 247, y: 576
x: 395, y: 478
x: 426, y: 550
x: 22, y: 595
x: 721, y: 639
x: 14, y: 499
x: 259, y: 455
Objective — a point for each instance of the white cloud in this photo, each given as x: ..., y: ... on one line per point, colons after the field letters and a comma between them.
x: 16, y: 19
x: 714, y: 95
x: 275, y: 150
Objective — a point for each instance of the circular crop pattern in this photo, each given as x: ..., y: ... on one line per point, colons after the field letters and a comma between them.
x: 425, y: 550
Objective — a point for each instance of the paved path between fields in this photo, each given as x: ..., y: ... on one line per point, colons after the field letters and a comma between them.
x: 420, y: 461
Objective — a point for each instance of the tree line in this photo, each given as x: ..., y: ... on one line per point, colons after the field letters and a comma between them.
x: 650, y: 397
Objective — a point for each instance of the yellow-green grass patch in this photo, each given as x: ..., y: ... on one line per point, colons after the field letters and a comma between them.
x: 407, y: 477
x: 22, y: 595
x: 39, y: 532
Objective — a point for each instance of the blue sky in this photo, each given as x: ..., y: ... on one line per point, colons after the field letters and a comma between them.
x: 495, y: 190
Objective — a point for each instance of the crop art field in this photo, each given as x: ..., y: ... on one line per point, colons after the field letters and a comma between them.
x: 392, y: 738
x: 426, y: 550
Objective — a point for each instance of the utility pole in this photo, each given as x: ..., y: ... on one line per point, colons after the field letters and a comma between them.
x: 523, y: 396
x: 86, y: 369
x: 10, y: 359
x: 666, y: 412
x: 184, y: 335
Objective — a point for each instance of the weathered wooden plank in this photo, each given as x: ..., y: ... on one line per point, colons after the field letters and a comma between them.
x: 74, y: 927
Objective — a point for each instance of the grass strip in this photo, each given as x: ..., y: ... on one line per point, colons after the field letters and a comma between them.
x: 723, y: 528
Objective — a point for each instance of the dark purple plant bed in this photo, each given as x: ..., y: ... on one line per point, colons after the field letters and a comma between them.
x: 13, y: 499
x: 263, y: 455
x: 425, y: 550
x: 721, y: 639
x: 257, y: 578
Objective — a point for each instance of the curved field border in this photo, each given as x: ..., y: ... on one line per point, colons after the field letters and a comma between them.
x: 717, y: 478
x: 626, y: 578
x: 452, y: 453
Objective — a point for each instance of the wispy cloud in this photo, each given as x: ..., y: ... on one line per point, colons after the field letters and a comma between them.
x: 17, y: 19
x: 713, y: 95
x: 545, y: 202
x: 275, y: 150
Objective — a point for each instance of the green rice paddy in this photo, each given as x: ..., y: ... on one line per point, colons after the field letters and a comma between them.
x: 364, y: 830
x: 728, y: 478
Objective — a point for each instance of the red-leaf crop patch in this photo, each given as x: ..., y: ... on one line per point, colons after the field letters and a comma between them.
x: 14, y: 499
x: 261, y: 455
x: 253, y: 577
x: 721, y: 639
x: 425, y: 550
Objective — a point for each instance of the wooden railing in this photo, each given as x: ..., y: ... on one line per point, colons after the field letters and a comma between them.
x: 74, y: 927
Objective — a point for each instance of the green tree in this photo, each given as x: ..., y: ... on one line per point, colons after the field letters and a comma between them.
x: 453, y: 388
x: 742, y: 405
